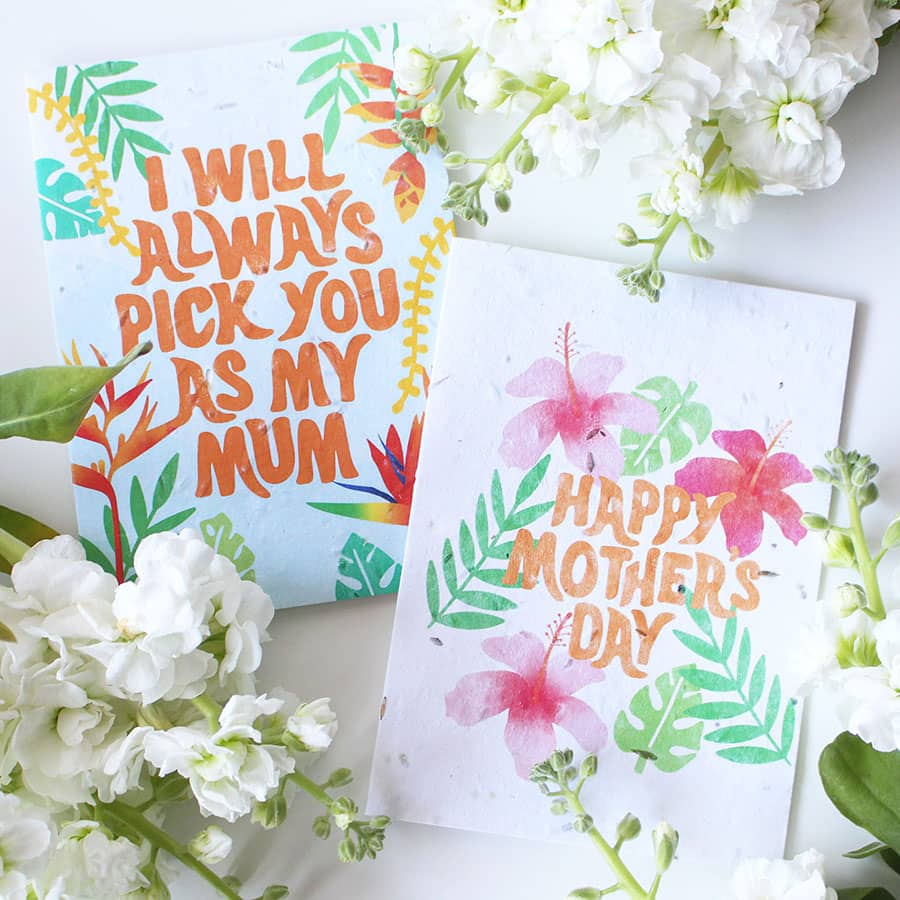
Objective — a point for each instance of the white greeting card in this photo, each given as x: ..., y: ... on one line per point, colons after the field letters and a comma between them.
x: 606, y: 551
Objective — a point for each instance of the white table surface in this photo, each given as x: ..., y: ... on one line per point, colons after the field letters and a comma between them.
x: 843, y: 241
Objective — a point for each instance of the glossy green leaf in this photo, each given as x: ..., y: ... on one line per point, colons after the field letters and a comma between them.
x: 866, y: 893
x: 50, y: 402
x: 365, y: 570
x: 25, y: 528
x: 652, y: 729
x: 891, y: 858
x: 67, y: 210
x: 864, y: 784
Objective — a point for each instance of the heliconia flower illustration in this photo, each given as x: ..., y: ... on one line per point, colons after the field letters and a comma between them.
x: 537, y: 694
x: 757, y: 479
x: 577, y: 408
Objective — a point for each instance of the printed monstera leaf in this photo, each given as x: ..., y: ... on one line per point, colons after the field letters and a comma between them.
x: 67, y: 210
x: 657, y: 736
x: 365, y: 570
x: 220, y: 534
x: 680, y: 417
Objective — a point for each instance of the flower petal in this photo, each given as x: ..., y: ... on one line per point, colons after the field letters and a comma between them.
x: 522, y: 652
x: 710, y: 477
x: 481, y: 695
x: 582, y: 723
x: 742, y: 520
x: 545, y: 377
x: 786, y: 512
x: 527, y: 435
x: 592, y: 450
x: 529, y: 737
x: 781, y: 471
x: 746, y: 446
x: 566, y: 676
x: 624, y: 409
x: 594, y: 373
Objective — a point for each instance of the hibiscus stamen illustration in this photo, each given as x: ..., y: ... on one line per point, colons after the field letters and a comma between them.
x: 536, y: 690
x: 776, y: 441
x: 565, y: 346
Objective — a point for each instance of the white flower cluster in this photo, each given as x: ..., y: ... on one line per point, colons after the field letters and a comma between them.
x: 857, y: 659
x: 116, y: 697
x: 800, y: 878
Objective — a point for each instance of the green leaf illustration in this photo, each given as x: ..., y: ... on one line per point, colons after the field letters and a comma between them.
x: 66, y: 208
x: 220, y: 534
x: 477, y: 549
x: 657, y: 737
x: 97, y: 92
x: 365, y: 570
x: 678, y: 416
x: 758, y: 719
x: 340, y: 87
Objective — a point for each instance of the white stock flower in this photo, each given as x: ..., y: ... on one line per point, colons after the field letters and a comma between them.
x: 24, y: 840
x: 227, y: 769
x: 845, y: 32
x: 680, y: 185
x: 572, y: 144
x: 801, y: 878
x: 211, y: 846
x: 484, y: 87
x: 121, y: 765
x: 314, y: 724
x: 782, y: 135
x: 414, y: 69
x: 731, y: 193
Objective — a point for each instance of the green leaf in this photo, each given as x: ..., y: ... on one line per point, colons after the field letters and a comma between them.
x: 59, y: 81
x: 433, y: 591
x: 323, y: 95
x: 139, y: 139
x: 891, y: 536
x: 75, y: 93
x: 866, y: 893
x: 525, y: 517
x: 700, y: 617
x: 95, y: 555
x: 170, y: 523
x: 127, y: 88
x: 497, y: 499
x: 530, y: 483
x: 118, y: 154
x: 697, y: 645
x: 753, y: 756
x: 109, y: 69
x: 708, y: 681
x: 50, y: 402
x: 331, y: 126
x: 744, y: 655
x: 139, y: 516
x: 866, y: 851
x: 788, y: 724
x: 657, y: 736
x: 735, y: 734
x: 720, y: 709
x: 449, y: 563
x: 136, y: 113
x: 165, y: 484
x: 864, y: 784
x: 728, y: 637
x: 501, y: 551
x: 757, y: 682
x: 891, y: 858
x: 470, y: 621
x: 67, y: 210
x: 365, y: 570
x: 486, y: 600
x: 466, y: 546
x: 103, y: 133
x: 495, y: 577
x: 360, y: 50
x: 682, y: 424
x: 25, y: 529
x: 348, y: 92
x: 91, y: 108
x: 481, y: 524
x: 371, y: 36
x: 220, y: 534
x: 321, y: 66
x: 317, y: 41
x: 774, y: 703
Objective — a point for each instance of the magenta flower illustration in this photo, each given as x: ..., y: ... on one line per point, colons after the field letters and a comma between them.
x: 536, y: 694
x: 576, y: 407
x: 758, y: 480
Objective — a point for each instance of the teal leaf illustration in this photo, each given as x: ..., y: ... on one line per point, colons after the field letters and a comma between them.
x: 219, y: 532
x: 67, y: 210
x: 472, y: 562
x: 110, y: 111
x: 680, y: 417
x: 340, y: 87
x: 365, y: 570
x: 661, y: 735
x: 754, y: 739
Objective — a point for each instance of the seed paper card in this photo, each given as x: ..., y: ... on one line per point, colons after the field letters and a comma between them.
x: 251, y: 211
x: 606, y: 551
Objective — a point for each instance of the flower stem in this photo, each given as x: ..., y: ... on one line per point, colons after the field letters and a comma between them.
x: 463, y: 58
x: 128, y: 815
x: 210, y: 710
x: 11, y: 548
x: 867, y: 566
x: 317, y: 792
x: 627, y: 882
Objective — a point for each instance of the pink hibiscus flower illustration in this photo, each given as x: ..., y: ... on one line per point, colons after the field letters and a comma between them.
x: 537, y: 694
x: 576, y: 407
x: 758, y: 480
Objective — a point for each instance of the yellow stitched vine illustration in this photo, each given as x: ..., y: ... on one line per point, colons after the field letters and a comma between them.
x: 88, y: 158
x: 435, y: 246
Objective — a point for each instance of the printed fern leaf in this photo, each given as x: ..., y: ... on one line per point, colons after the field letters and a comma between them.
x: 750, y: 709
x: 482, y: 555
x: 679, y: 416
x: 67, y: 209
x: 658, y: 737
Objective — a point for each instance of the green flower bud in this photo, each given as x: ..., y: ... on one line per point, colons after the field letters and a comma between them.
x: 891, y: 537
x: 629, y: 828
x: 346, y: 850
x: 589, y: 766
x: 839, y: 550
x: 647, y: 211
x: 525, y: 160
x: 868, y: 495
x: 344, y: 811
x: 339, y: 778
x: 502, y: 201
x: 210, y: 846
x: 498, y: 177
x: 559, y: 807
x: 836, y: 456
x: 847, y: 599
x: 512, y: 85
x: 699, y: 248
x: 405, y: 103
x: 815, y: 522
x: 626, y: 235
x: 443, y: 141
x: 583, y: 824
x: 481, y: 217
x: 321, y: 827
x: 665, y: 843
x: 455, y: 159
x: 820, y: 473
x: 656, y: 280
x: 275, y: 892
x: 856, y: 650
x: 432, y: 114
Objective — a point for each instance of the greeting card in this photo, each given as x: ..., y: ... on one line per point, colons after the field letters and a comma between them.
x: 254, y: 214
x: 606, y: 550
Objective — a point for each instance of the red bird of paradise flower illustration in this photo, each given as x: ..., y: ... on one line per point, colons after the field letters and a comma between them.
x: 406, y: 170
x: 398, y: 474
x: 757, y: 479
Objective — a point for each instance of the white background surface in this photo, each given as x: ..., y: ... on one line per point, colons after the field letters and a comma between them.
x: 844, y: 241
